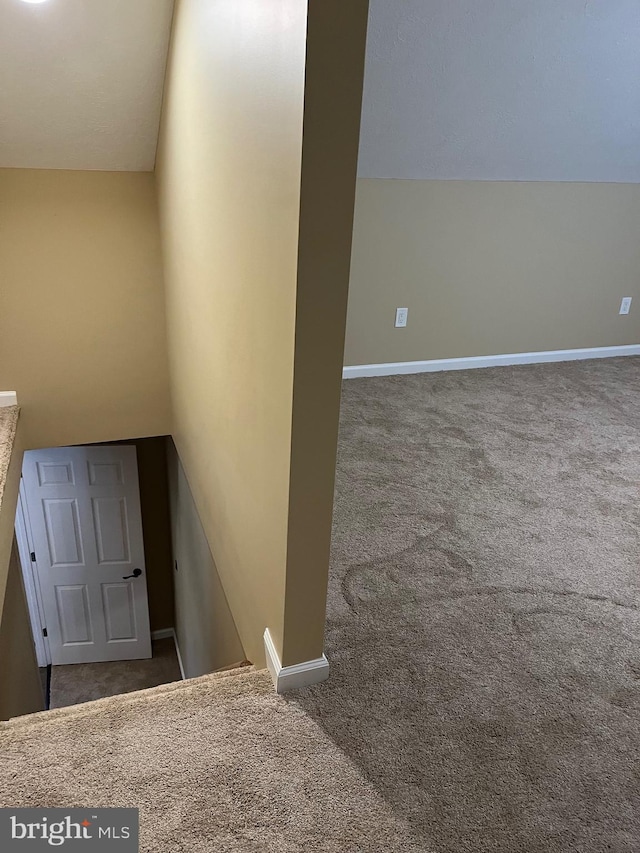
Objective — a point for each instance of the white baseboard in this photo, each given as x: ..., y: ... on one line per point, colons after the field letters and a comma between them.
x: 400, y: 367
x: 162, y: 634
x: 180, y: 664
x: 8, y: 398
x: 165, y: 633
x: 293, y: 677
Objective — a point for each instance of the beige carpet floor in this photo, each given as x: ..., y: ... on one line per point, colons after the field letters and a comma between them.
x: 219, y: 763
x: 82, y: 682
x: 484, y: 631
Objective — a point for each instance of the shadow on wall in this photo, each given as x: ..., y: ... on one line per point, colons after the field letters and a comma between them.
x: 204, y: 625
x: 20, y: 685
x: 156, y: 527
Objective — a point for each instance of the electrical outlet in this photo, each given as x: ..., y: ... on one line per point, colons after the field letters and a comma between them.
x: 401, y: 317
x: 625, y: 305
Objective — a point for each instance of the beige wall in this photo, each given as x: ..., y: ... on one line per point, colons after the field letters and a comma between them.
x: 82, y: 324
x: 336, y: 36
x: 490, y: 267
x: 20, y: 690
x: 229, y: 191
x: 20, y: 685
x: 229, y: 170
x: 11, y: 453
x: 207, y: 635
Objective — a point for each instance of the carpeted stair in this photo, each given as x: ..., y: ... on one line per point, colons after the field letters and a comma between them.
x: 214, y: 763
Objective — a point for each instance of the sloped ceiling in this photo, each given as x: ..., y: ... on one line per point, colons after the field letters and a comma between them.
x: 81, y: 83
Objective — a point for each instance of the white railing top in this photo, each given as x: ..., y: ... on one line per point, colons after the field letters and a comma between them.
x: 8, y: 398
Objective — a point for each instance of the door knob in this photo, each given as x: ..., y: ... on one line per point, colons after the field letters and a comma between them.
x: 136, y: 574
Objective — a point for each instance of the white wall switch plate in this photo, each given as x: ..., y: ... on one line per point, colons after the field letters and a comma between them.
x: 401, y: 317
x: 625, y: 305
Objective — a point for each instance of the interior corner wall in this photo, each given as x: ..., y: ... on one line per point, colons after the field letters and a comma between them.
x: 499, y: 180
x: 228, y: 172
x: 206, y: 633
x: 256, y: 175
x: 82, y: 322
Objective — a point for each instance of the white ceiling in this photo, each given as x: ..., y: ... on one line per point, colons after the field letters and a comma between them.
x: 81, y: 83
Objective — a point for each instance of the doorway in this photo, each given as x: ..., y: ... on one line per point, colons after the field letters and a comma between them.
x: 82, y: 533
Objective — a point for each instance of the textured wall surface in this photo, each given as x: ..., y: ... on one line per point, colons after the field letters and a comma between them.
x: 502, y: 90
x: 510, y: 133
x: 82, y: 83
x: 82, y: 322
x: 206, y: 633
x: 489, y: 267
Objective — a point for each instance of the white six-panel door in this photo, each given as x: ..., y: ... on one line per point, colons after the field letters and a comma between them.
x: 84, y: 507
